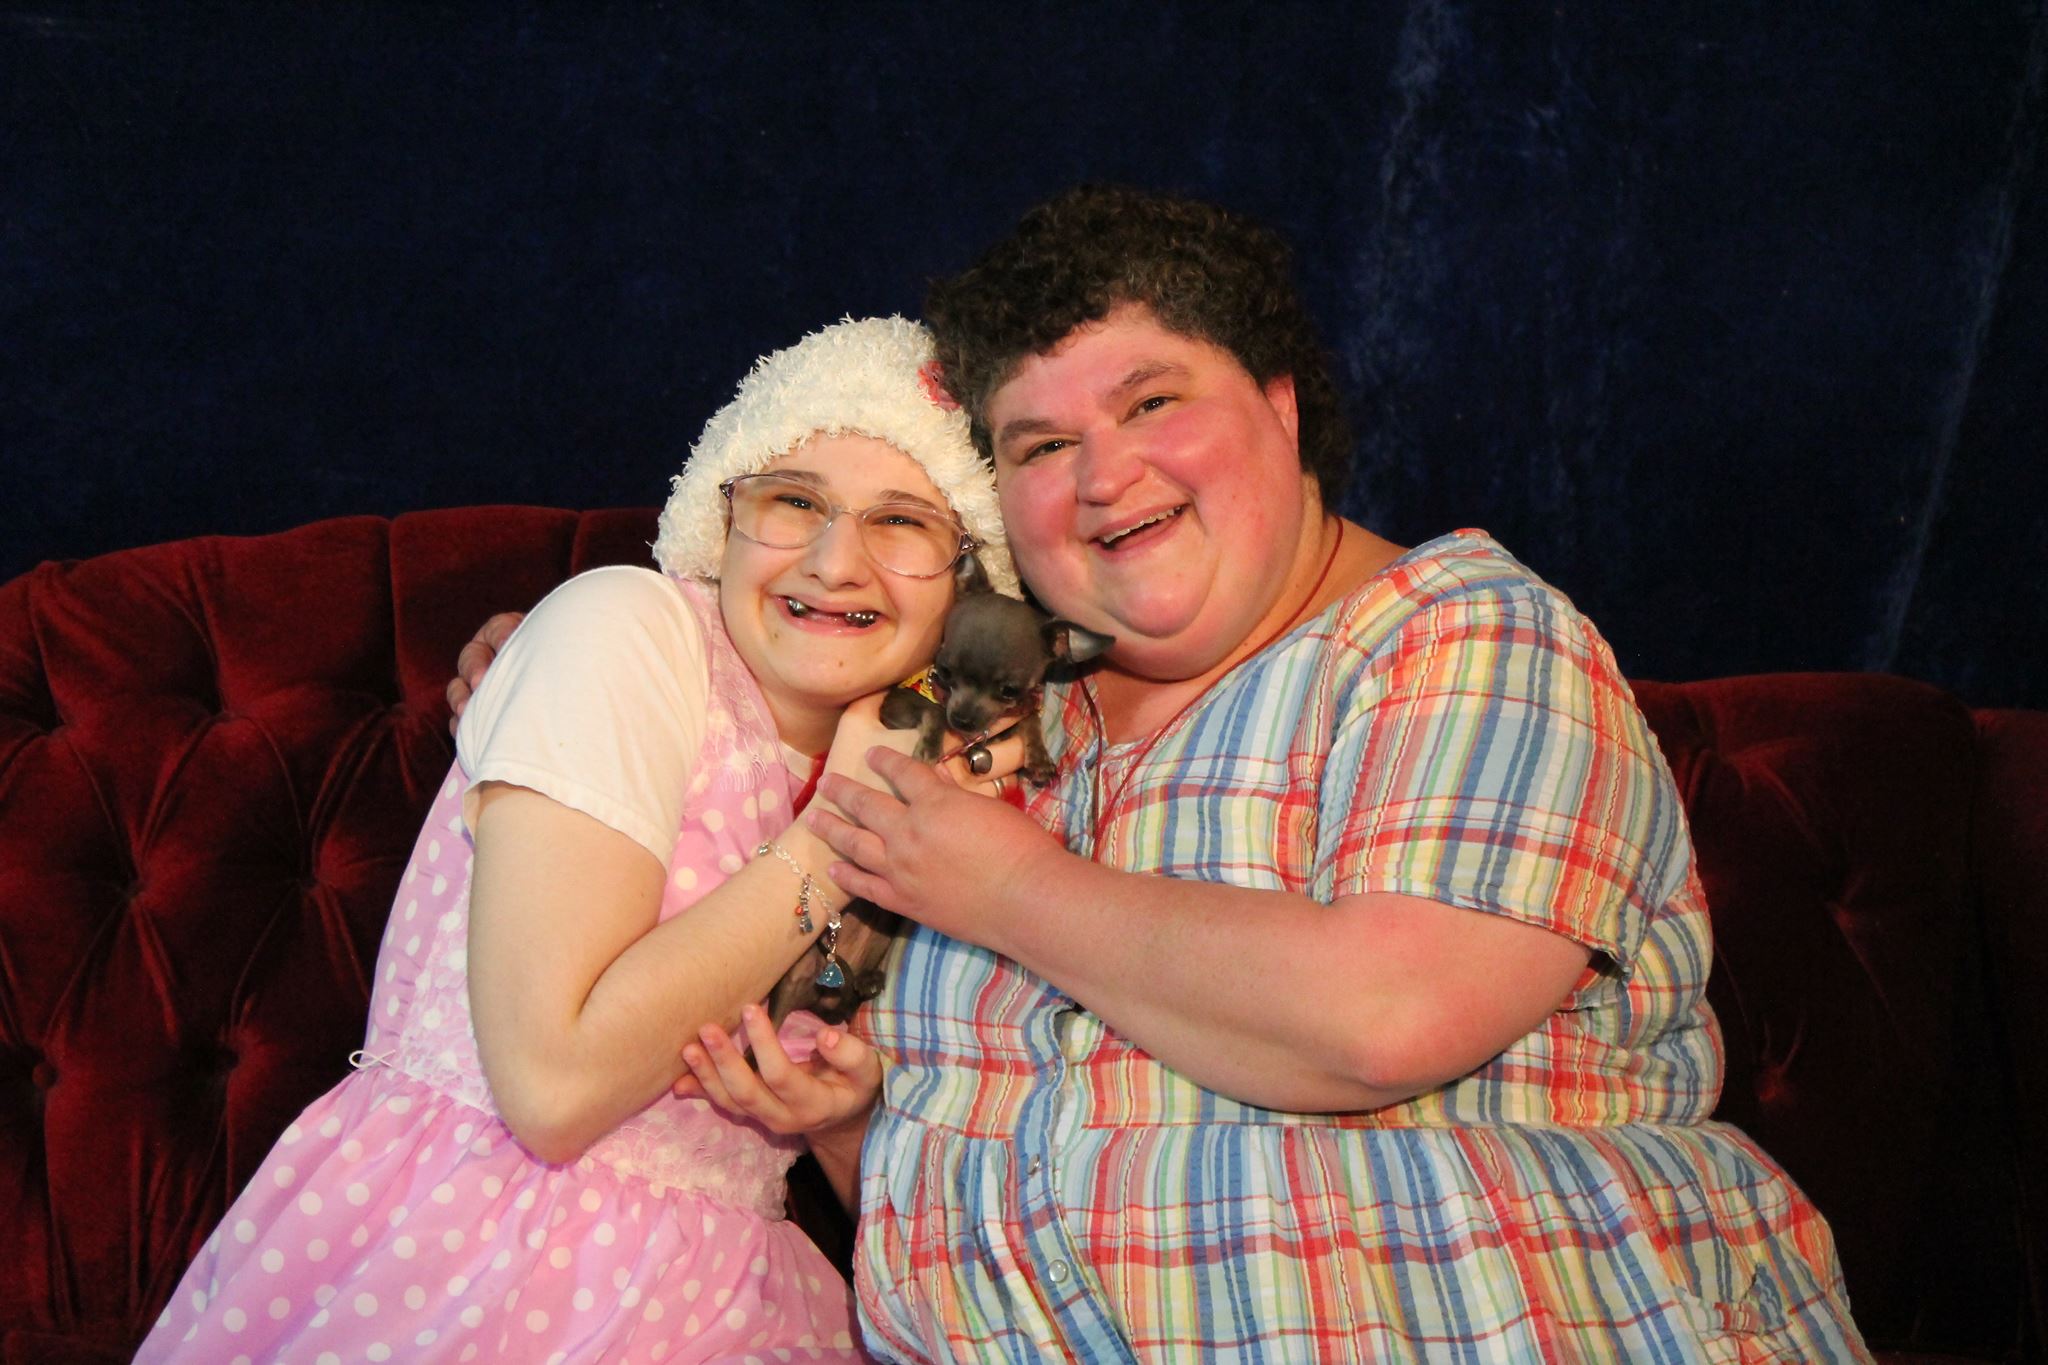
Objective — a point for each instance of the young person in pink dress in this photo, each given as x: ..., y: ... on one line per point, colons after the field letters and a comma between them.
x: 611, y: 866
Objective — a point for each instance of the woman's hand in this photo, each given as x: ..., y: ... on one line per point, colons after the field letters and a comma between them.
x: 930, y: 849
x: 475, y: 659
x: 861, y: 729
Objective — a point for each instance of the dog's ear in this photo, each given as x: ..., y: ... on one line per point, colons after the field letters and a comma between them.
x: 969, y: 577
x: 1072, y: 644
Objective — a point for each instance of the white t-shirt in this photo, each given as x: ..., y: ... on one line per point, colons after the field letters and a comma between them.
x: 597, y: 701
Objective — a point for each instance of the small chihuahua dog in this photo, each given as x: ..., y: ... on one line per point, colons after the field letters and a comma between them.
x: 993, y: 659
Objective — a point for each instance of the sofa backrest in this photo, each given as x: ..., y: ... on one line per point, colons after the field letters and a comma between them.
x: 1833, y: 818
x: 2009, y: 852
x: 214, y: 756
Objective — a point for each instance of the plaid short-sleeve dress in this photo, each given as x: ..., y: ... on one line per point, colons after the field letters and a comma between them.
x: 1037, y: 1186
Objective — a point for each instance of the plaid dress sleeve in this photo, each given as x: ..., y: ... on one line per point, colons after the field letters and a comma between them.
x: 1494, y: 759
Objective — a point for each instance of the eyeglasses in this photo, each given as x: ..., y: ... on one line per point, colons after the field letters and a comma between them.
x: 908, y: 538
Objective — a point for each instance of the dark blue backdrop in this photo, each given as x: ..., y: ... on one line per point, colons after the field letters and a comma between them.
x: 1728, y: 317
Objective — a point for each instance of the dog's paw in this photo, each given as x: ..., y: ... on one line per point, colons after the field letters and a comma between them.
x: 905, y: 708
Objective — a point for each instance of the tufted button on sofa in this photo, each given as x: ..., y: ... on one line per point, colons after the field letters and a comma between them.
x: 214, y: 756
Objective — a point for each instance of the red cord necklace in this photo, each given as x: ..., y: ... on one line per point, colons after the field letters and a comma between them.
x: 1105, y: 809
x: 809, y: 788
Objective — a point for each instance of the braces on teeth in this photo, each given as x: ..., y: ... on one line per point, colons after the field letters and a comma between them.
x: 861, y: 619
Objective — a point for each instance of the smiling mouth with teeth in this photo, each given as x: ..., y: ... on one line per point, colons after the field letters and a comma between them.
x: 858, y: 619
x: 1168, y: 515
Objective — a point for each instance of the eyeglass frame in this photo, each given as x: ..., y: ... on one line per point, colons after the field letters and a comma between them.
x: 967, y: 544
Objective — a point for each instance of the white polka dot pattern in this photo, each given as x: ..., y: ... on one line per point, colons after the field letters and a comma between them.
x: 398, y: 1219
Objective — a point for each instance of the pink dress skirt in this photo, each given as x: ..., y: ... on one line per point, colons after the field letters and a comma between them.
x: 399, y: 1219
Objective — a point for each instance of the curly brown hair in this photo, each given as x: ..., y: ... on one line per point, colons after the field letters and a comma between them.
x: 1202, y: 271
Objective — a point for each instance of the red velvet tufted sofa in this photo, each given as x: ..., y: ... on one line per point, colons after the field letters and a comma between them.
x: 214, y: 756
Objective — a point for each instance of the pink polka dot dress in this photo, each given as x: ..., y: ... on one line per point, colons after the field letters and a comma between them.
x: 399, y: 1219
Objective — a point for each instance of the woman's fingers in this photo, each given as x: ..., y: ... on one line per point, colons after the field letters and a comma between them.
x: 909, y: 777
x: 457, y: 693
x: 858, y: 882
x: 475, y: 659
x: 849, y: 839
x: 886, y: 845
x: 880, y: 811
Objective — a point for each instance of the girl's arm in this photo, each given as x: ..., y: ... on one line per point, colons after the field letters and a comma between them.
x: 581, y: 747
x: 581, y: 1002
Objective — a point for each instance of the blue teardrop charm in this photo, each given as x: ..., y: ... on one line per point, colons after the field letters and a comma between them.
x: 832, y: 978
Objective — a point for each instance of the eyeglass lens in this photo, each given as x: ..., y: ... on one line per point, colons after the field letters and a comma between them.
x: 905, y: 537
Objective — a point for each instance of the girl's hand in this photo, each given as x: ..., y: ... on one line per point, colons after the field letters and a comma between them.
x: 1005, y: 757
x: 833, y: 1092
x: 861, y: 729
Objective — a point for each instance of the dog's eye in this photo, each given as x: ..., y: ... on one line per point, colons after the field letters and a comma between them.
x: 942, y: 675
x: 1008, y: 692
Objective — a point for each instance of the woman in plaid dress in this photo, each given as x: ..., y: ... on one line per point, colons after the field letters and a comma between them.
x: 1353, y: 1007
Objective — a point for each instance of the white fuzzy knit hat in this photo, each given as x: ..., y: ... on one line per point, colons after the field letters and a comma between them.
x: 870, y: 377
